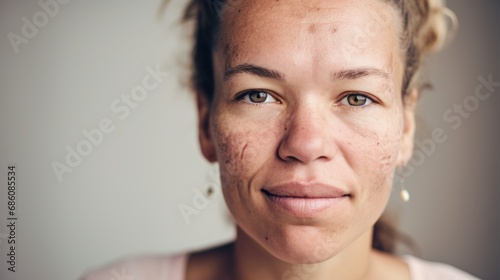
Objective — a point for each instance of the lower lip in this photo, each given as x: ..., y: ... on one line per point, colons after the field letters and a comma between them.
x: 304, y: 207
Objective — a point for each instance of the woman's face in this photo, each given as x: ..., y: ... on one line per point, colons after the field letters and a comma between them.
x: 307, y: 122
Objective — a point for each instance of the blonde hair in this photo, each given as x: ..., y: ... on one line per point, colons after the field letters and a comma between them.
x: 427, y: 26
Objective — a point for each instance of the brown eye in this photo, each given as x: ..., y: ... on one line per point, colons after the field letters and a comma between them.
x: 356, y: 100
x: 257, y: 97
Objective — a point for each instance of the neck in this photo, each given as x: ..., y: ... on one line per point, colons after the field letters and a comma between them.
x: 251, y: 261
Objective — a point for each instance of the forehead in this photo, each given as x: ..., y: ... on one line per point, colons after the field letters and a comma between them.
x: 349, y: 31
x: 242, y: 16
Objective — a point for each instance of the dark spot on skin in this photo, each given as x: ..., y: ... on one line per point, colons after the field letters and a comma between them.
x: 312, y: 28
x: 231, y: 54
x: 333, y: 30
x: 378, y: 143
x: 267, y: 238
x: 227, y: 55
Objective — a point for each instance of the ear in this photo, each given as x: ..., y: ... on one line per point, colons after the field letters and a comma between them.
x: 406, y: 147
x: 204, y: 136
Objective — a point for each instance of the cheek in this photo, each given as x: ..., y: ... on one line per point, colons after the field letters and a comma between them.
x: 242, y: 152
x: 384, y: 153
x: 376, y: 159
x: 242, y: 149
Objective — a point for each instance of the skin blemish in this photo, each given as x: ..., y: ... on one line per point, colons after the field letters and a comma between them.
x: 231, y: 54
x: 243, y: 151
x: 312, y: 28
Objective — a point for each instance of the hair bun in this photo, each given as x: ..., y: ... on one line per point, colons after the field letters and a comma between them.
x: 437, y: 27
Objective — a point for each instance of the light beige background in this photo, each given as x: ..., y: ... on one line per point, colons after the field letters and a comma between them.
x: 124, y: 198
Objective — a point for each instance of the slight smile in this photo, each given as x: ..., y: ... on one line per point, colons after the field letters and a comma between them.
x: 304, y: 200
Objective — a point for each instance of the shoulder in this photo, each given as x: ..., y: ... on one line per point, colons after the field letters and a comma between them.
x: 152, y: 267
x: 425, y: 270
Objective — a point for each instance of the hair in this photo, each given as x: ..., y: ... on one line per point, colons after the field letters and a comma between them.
x: 424, y: 30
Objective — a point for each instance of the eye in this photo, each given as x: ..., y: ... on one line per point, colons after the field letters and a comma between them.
x: 257, y: 97
x: 356, y: 100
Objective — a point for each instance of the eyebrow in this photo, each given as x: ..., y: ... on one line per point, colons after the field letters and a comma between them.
x: 353, y: 74
x: 254, y: 70
x: 347, y: 74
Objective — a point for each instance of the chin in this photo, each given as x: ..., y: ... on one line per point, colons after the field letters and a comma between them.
x: 304, y: 244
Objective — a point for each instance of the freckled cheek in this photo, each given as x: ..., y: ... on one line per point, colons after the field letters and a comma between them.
x: 387, y: 154
x: 376, y: 160
x: 242, y: 152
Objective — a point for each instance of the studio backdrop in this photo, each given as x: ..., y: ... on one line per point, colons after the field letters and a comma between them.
x: 99, y: 156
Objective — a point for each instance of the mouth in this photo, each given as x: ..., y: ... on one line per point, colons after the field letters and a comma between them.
x: 304, y: 200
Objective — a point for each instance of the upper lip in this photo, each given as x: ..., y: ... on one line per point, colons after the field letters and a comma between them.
x: 304, y: 190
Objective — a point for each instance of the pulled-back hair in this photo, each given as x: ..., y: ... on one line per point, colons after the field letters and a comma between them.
x: 424, y: 30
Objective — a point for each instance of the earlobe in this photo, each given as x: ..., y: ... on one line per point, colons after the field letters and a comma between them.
x: 204, y: 136
x: 406, y: 148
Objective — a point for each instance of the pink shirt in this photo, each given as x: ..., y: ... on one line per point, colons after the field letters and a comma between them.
x: 173, y: 268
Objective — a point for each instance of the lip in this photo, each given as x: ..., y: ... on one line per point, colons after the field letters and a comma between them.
x: 304, y: 200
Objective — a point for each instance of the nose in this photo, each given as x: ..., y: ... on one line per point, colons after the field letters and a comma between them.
x: 308, y: 135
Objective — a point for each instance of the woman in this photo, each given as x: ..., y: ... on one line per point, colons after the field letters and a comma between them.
x: 308, y: 107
